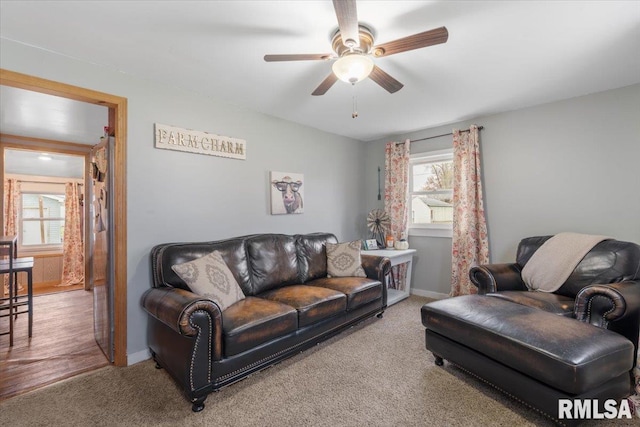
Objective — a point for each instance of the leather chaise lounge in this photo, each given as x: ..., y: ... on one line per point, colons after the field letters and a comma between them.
x: 290, y: 305
x: 576, y: 343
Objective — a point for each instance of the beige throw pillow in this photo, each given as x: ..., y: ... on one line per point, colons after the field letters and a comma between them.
x: 343, y: 260
x: 210, y: 277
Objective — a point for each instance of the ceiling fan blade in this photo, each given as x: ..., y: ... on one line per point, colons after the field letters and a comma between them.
x: 390, y: 84
x: 325, y: 85
x: 416, y: 41
x: 347, y: 22
x: 298, y: 57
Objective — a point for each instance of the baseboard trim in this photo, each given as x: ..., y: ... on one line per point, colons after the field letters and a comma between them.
x: 138, y: 357
x: 428, y: 294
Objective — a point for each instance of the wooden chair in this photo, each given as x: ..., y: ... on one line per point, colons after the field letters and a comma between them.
x: 17, y: 304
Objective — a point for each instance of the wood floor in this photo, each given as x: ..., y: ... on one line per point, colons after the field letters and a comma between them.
x: 62, y: 344
x: 46, y: 288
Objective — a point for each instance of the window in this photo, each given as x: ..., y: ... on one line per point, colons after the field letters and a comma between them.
x: 431, y: 194
x: 41, y: 221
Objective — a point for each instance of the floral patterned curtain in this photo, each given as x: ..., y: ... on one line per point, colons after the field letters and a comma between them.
x: 470, y: 243
x: 10, y: 215
x: 634, y: 399
x: 396, y: 195
x: 396, y: 188
x: 72, y: 246
x: 11, y: 200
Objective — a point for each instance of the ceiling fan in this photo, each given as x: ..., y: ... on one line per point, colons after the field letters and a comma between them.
x: 353, y: 47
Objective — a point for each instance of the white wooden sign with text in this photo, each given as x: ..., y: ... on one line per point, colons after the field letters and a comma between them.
x: 193, y: 141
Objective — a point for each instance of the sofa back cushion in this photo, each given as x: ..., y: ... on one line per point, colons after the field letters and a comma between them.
x: 610, y: 261
x: 259, y: 262
x: 164, y: 256
x: 312, y: 255
x: 273, y: 262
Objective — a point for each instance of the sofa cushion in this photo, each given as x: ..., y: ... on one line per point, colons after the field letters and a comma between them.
x: 312, y: 255
x: 273, y: 261
x: 210, y: 277
x: 167, y: 255
x: 253, y: 321
x: 343, y: 259
x: 566, y: 354
x: 359, y: 290
x: 313, y: 303
x: 553, y: 303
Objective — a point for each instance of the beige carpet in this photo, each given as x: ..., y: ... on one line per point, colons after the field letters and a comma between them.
x: 376, y: 374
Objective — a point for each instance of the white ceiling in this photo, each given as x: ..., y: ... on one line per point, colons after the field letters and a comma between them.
x: 38, y: 115
x: 500, y: 56
x: 28, y: 162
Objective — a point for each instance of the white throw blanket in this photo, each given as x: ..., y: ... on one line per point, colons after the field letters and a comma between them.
x: 552, y: 264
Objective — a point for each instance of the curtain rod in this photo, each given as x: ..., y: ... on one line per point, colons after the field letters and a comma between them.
x: 438, y: 136
x: 48, y: 182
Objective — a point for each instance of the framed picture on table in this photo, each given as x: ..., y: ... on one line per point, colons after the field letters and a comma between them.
x: 370, y: 245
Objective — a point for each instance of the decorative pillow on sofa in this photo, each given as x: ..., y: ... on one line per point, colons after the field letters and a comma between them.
x: 343, y: 259
x: 210, y: 277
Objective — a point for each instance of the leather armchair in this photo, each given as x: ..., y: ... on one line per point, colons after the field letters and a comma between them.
x: 604, y: 289
x: 578, y: 342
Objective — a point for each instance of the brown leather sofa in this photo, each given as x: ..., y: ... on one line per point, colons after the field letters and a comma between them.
x: 290, y: 305
x: 579, y: 342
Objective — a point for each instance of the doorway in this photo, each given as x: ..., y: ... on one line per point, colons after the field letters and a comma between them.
x: 51, y: 191
x: 118, y: 130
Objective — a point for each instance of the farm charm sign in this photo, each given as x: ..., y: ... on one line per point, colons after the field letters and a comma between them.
x: 193, y: 141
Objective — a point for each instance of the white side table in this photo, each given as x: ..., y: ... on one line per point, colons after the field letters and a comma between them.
x: 397, y: 257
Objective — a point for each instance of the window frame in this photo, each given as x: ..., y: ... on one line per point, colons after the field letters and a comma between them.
x: 42, y: 247
x: 428, y: 230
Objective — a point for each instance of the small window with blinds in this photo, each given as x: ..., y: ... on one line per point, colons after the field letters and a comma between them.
x: 41, y: 221
x: 431, y: 194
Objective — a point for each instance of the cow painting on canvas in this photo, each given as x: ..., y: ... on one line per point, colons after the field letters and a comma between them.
x: 287, y: 195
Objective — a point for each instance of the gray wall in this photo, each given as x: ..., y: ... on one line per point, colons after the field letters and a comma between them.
x: 174, y: 196
x: 566, y: 166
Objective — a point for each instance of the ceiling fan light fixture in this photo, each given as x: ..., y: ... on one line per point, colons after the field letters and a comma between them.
x: 353, y: 67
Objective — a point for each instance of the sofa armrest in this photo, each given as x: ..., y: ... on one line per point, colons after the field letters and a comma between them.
x: 497, y: 277
x: 602, y: 304
x: 376, y: 267
x: 174, y: 307
x: 614, y: 306
x: 184, y: 334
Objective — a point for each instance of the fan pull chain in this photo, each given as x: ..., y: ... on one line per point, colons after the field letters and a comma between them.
x: 354, y: 114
